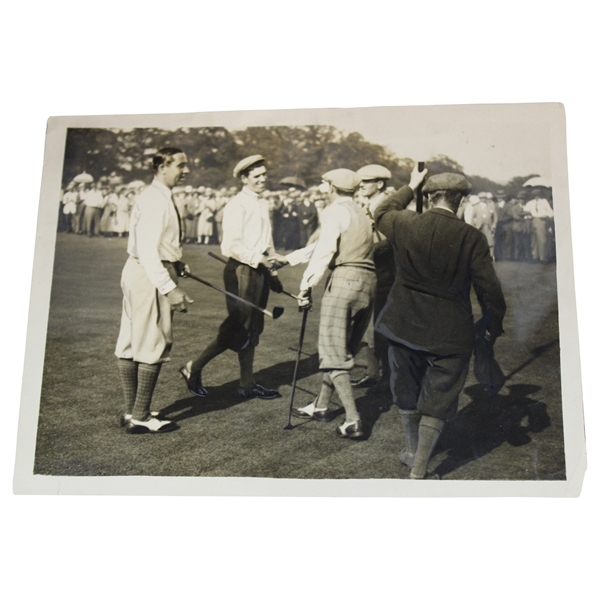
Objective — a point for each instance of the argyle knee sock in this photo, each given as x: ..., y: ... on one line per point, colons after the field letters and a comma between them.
x: 147, y: 376
x: 342, y: 381
x: 128, y: 375
x: 326, y: 392
x: 429, y: 432
x: 246, y: 367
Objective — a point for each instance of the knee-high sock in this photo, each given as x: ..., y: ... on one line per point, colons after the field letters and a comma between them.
x: 429, y: 432
x: 214, y: 349
x: 342, y: 381
x: 147, y: 376
x: 326, y: 392
x: 410, y: 420
x: 128, y: 374
x: 372, y: 362
x: 246, y: 367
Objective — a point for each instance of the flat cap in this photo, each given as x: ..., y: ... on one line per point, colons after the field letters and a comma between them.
x: 373, y: 171
x: 246, y: 163
x: 448, y: 182
x: 343, y: 179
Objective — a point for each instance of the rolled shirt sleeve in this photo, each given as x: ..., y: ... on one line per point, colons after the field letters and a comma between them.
x: 334, y: 220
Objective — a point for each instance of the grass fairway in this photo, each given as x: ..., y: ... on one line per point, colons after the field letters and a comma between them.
x: 516, y: 436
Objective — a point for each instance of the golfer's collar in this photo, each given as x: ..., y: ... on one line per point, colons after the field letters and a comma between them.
x: 162, y: 188
x: 251, y: 194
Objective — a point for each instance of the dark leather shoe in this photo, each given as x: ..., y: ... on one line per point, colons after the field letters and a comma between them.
x: 257, y: 391
x: 325, y: 415
x: 299, y: 413
x: 351, y: 431
x: 363, y: 382
x: 193, y: 380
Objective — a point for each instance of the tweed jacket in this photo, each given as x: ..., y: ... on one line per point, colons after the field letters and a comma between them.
x: 438, y: 259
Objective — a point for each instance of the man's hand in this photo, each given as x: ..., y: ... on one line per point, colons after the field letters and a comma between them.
x: 275, y: 284
x: 278, y: 261
x: 267, y: 262
x: 304, y: 300
x: 416, y: 177
x: 178, y: 300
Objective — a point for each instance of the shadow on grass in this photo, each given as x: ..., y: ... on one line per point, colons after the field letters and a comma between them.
x: 483, y: 425
x: 224, y: 396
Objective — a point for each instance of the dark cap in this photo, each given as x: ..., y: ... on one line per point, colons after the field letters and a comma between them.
x: 447, y: 182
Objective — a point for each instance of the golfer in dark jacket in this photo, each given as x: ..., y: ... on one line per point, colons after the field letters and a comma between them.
x: 428, y: 315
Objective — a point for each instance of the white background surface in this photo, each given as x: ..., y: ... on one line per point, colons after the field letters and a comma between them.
x: 128, y: 58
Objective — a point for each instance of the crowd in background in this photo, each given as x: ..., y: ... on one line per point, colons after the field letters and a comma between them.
x: 519, y: 228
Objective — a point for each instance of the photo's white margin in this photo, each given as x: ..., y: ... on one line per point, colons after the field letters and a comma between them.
x: 25, y: 482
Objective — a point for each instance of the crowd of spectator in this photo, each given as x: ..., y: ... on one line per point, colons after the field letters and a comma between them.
x: 519, y: 228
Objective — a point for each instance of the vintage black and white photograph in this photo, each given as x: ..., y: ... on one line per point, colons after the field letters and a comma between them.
x: 370, y: 296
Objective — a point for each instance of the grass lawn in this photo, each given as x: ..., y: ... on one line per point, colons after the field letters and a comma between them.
x: 516, y: 436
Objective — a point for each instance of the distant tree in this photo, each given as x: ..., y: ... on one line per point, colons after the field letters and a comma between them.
x: 515, y: 185
x: 442, y: 164
x: 482, y: 184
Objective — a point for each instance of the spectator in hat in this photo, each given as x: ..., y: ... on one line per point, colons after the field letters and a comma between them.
x: 94, y: 202
x: 308, y: 218
x: 346, y: 246
x: 503, y: 217
x: 124, y: 203
x: 372, y: 191
x: 69, y: 202
x: 428, y: 317
x: 542, y: 222
x: 519, y: 229
x: 206, y: 220
x: 247, y: 243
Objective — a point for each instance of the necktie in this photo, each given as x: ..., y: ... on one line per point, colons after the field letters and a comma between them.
x: 178, y: 221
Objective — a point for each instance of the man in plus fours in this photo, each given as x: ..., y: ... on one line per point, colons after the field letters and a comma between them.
x: 151, y: 294
x: 346, y: 246
x: 247, y: 243
x: 428, y: 315
x: 373, y: 183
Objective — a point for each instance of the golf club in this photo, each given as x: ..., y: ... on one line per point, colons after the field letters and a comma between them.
x: 221, y: 259
x: 277, y: 311
x: 297, y: 361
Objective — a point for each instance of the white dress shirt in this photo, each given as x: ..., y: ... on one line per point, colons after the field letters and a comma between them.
x: 334, y: 220
x: 247, y: 234
x: 539, y: 208
x: 154, y: 234
x: 93, y: 198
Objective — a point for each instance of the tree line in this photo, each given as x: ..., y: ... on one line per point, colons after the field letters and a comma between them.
x: 306, y: 152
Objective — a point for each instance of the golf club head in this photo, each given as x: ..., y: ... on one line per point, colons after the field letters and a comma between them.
x: 288, y: 427
x: 277, y: 311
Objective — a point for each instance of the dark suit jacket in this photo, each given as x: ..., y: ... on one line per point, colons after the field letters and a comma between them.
x: 438, y: 259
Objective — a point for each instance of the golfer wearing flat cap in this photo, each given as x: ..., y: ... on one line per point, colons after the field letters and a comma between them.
x: 372, y: 189
x: 345, y: 245
x: 247, y: 243
x: 428, y: 315
x: 150, y: 292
